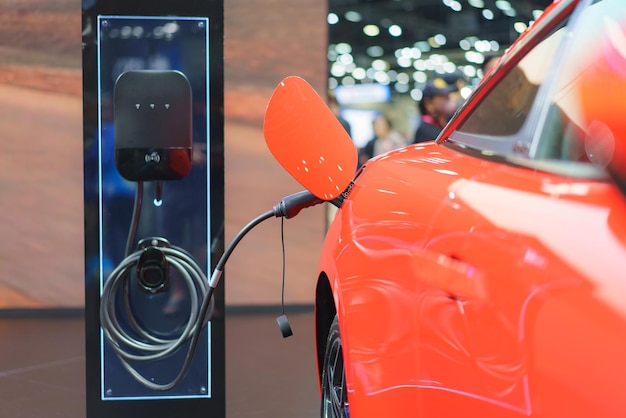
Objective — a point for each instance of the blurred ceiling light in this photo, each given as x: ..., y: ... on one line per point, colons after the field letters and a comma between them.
x: 503, y: 5
x: 453, y: 4
x: 345, y: 59
x: 401, y: 87
x: 371, y: 30
x: 419, y: 65
x: 381, y: 77
x: 469, y: 70
x: 474, y: 57
x: 416, y: 94
x: 343, y: 48
x: 353, y: 16
x: 359, y: 73
x: 337, y: 70
x: 375, y: 51
x: 348, y: 81
x: 422, y: 46
x: 439, y: 58
x: 420, y: 77
x: 482, y: 46
x: 403, y: 78
x: 479, y: 4
x: 449, y: 67
x: 488, y: 14
x: 395, y: 30
x: 332, y: 19
x: 404, y: 62
x: 380, y: 65
x: 400, y: 52
x: 520, y: 27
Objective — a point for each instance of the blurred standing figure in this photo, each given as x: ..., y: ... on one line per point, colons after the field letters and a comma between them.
x: 385, y: 139
x: 490, y: 62
x: 333, y: 104
x: 436, y: 108
x: 458, y: 80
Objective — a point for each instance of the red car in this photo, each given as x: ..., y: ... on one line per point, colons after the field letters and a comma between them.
x: 482, y: 274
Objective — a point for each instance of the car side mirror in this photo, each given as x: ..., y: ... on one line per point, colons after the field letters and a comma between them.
x: 307, y: 139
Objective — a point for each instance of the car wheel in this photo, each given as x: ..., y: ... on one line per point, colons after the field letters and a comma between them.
x: 334, y: 393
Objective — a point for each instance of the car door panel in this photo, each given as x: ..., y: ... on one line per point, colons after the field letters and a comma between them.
x: 526, y: 237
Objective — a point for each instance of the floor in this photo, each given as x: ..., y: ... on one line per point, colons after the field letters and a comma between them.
x: 42, y: 372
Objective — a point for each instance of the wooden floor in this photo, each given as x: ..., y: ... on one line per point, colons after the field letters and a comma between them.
x: 42, y: 371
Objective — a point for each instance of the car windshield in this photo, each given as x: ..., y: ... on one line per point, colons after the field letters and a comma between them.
x: 550, y: 110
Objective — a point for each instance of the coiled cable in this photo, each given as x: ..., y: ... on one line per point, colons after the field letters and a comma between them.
x: 135, y: 343
x: 152, y: 347
x: 145, y: 346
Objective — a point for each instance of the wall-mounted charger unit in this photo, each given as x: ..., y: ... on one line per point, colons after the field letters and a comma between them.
x: 153, y: 93
x: 152, y: 116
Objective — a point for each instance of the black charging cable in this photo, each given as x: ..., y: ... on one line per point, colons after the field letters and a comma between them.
x: 153, y: 258
x: 282, y: 321
x: 149, y: 347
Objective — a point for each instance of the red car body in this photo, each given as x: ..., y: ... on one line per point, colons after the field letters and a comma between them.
x: 484, y: 274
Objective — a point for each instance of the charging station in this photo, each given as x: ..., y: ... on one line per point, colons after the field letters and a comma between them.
x: 154, y: 207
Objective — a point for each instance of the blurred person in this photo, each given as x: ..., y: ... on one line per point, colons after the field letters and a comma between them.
x: 386, y: 138
x: 436, y: 108
x: 333, y: 104
x: 491, y: 60
x: 458, y: 80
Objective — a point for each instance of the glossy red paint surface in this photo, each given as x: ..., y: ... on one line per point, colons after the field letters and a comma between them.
x: 481, y: 288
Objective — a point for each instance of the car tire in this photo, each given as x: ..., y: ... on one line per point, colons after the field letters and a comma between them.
x: 334, y: 393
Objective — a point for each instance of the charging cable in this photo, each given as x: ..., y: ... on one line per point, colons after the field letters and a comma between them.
x: 132, y: 342
x: 149, y: 347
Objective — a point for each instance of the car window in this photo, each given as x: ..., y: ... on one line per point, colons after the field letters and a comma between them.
x: 551, y: 111
x: 497, y: 123
x: 505, y: 110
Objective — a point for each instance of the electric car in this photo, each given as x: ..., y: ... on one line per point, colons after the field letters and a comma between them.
x: 482, y: 274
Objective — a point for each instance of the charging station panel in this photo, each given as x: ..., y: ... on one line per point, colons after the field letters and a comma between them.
x: 154, y: 207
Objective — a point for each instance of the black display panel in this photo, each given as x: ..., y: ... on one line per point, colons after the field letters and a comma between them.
x: 153, y: 140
